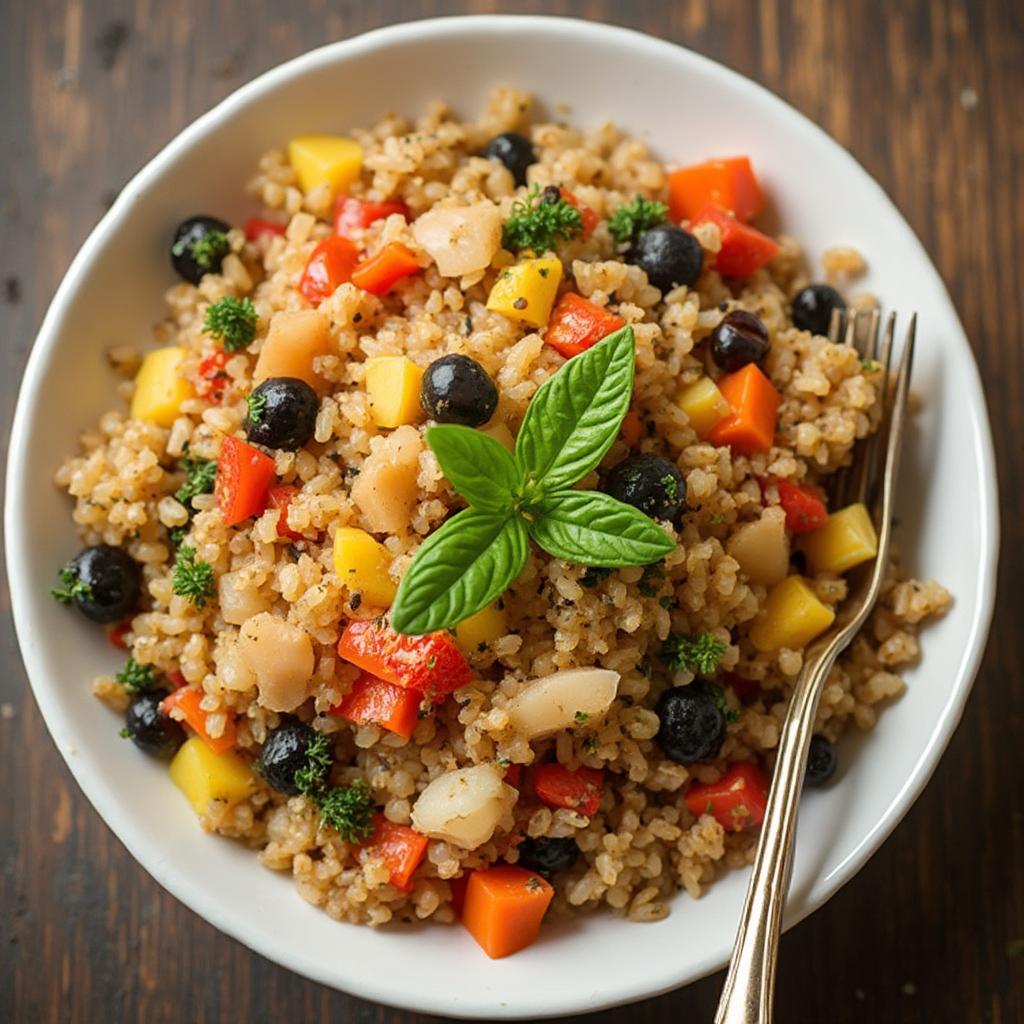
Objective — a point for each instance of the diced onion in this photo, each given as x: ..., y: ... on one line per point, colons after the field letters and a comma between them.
x: 555, y: 701
x: 464, y: 806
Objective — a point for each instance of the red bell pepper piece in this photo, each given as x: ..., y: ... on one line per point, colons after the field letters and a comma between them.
x: 257, y: 228
x: 577, y: 323
x: 431, y: 664
x: 737, y: 800
x: 514, y: 775
x: 729, y: 184
x: 280, y: 497
x: 213, y: 378
x: 373, y: 701
x: 243, y: 477
x: 186, y: 703
x: 632, y: 429
x: 176, y: 679
x: 753, y: 404
x: 744, y: 249
x: 804, y: 507
x: 352, y: 215
x: 400, y: 847
x: 329, y: 265
x: 379, y: 273
x: 580, y: 790
x: 745, y: 689
x: 587, y: 215
x: 117, y: 634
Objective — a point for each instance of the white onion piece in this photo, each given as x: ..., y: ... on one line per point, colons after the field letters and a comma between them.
x: 762, y: 548
x: 553, y: 702
x: 464, y: 806
x: 281, y: 657
x: 460, y: 239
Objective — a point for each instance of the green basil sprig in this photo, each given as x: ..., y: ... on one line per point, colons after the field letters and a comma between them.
x: 569, y: 426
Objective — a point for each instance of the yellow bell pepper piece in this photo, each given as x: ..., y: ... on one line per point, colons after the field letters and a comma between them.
x: 159, y: 387
x: 483, y: 628
x: 393, y: 384
x: 204, y: 776
x: 362, y: 565
x: 793, y: 616
x: 527, y: 290
x: 499, y: 432
x: 847, y: 539
x: 325, y: 159
x: 703, y: 404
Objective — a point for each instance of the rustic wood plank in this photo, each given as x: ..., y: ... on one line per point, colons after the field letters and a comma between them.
x: 926, y: 94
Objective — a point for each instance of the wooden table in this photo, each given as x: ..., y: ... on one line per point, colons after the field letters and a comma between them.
x: 928, y: 96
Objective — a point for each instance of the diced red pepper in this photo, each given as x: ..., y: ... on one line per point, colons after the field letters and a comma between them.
x: 176, y: 679
x: 754, y: 403
x: 352, y: 215
x: 431, y: 664
x: 745, y: 689
x: 729, y: 183
x: 186, y: 702
x: 378, y: 274
x: 329, y: 265
x: 632, y: 429
x: 577, y: 323
x: 373, y: 701
x: 257, y: 228
x: 280, y: 497
x: 804, y: 506
x: 514, y: 775
x: 213, y: 378
x: 458, y: 887
x: 580, y: 790
x: 737, y: 800
x: 587, y: 215
x: 117, y: 634
x: 744, y: 249
x: 400, y: 847
x: 243, y: 479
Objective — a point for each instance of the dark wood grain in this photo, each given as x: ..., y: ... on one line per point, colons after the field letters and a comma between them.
x: 928, y: 96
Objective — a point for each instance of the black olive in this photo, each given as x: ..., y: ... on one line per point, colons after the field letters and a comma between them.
x: 103, y: 582
x: 669, y: 255
x: 740, y: 338
x: 199, y: 247
x: 548, y: 855
x: 283, y: 754
x: 821, y: 762
x: 515, y: 151
x: 813, y: 305
x: 649, y: 483
x: 692, y: 724
x: 457, y: 389
x: 152, y: 731
x: 282, y: 413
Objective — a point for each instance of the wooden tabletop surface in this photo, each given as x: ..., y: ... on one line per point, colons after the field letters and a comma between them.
x: 928, y: 96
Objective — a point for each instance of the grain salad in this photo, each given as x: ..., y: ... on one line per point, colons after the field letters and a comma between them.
x: 466, y: 526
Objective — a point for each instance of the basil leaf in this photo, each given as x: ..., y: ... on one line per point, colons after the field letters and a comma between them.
x: 479, y: 468
x: 575, y: 415
x: 459, y: 569
x: 590, y: 528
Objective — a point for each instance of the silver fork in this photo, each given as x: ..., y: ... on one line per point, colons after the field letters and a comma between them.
x: 749, y: 990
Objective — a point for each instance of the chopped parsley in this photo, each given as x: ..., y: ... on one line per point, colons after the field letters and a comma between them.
x: 232, y: 321
x: 257, y: 404
x: 632, y: 219
x: 581, y: 717
x: 136, y: 677
x: 730, y: 713
x: 178, y: 533
x: 312, y: 778
x: 539, y: 220
x: 349, y: 810
x: 192, y: 577
x: 671, y: 485
x: 205, y: 251
x: 698, y: 654
x: 200, y: 475
x: 72, y: 586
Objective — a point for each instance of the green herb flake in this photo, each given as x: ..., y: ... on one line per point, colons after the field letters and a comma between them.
x: 124, y: 733
x: 722, y: 703
x: 205, y: 251
x: 698, y: 654
x: 72, y: 587
x: 136, y: 677
x: 312, y: 777
x: 200, y: 476
x: 192, y: 577
x: 632, y: 219
x: 595, y: 574
x: 590, y: 744
x: 581, y: 717
x: 348, y: 810
x: 177, y: 534
x: 232, y: 321
x: 537, y: 224
x: 671, y: 485
x: 256, y: 403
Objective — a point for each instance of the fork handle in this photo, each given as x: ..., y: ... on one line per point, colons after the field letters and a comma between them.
x: 749, y: 990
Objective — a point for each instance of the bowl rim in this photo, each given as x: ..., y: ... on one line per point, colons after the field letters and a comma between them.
x: 163, y: 870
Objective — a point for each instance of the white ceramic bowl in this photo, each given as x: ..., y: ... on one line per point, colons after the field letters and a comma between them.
x: 687, y: 108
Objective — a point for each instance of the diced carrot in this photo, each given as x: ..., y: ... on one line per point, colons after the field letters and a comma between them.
x: 580, y: 790
x: 431, y: 664
x: 804, y: 505
x: 379, y: 273
x: 458, y: 887
x: 400, y: 847
x: 577, y: 323
x: 117, y: 634
x: 183, y: 704
x: 750, y: 426
x: 587, y: 215
x: 243, y: 478
x: 213, y: 378
x: 729, y: 183
x: 504, y: 907
x: 744, y: 249
x: 632, y: 429
x: 373, y: 701
x: 330, y: 265
x: 352, y: 214
x: 737, y: 800
x: 257, y: 228
x: 280, y: 497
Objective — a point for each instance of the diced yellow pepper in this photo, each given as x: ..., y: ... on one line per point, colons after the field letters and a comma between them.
x: 325, y: 159
x: 488, y: 625
x: 847, y: 539
x: 393, y: 384
x: 793, y: 616
x: 703, y: 404
x: 159, y: 388
x: 499, y: 432
x: 362, y: 565
x: 204, y: 776
x: 527, y: 290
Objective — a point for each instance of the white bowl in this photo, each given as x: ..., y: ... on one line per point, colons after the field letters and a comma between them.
x: 687, y: 108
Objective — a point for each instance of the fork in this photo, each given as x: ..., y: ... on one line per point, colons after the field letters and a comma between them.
x: 749, y: 990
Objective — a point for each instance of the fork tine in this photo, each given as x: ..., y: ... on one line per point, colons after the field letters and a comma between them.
x: 872, y: 493
x: 835, y: 325
x: 855, y: 487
